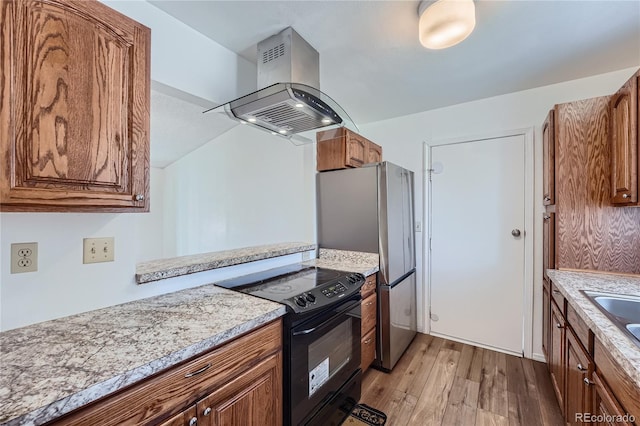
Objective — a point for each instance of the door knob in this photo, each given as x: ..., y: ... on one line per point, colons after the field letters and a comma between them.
x: 515, y: 232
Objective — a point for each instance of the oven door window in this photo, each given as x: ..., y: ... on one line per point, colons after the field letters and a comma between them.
x: 329, y: 354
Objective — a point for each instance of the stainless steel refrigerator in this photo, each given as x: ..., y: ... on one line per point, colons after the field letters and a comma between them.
x: 371, y: 209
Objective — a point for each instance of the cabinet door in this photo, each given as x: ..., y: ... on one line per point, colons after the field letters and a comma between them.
x: 578, y: 369
x: 187, y: 417
x: 624, y: 144
x: 548, y: 243
x: 252, y: 399
x: 605, y: 405
x: 546, y: 319
x: 356, y: 150
x: 368, y: 310
x: 549, y: 162
x: 556, y: 351
x: 368, y: 349
x: 374, y: 153
x: 74, y: 126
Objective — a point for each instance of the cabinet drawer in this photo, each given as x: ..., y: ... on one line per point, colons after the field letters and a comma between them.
x: 368, y: 314
x: 368, y: 349
x: 182, y: 385
x: 580, y: 329
x: 557, y: 297
x: 369, y: 286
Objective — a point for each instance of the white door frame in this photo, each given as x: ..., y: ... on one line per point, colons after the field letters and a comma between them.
x: 529, y: 179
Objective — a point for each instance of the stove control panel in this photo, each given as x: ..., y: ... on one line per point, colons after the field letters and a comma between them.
x: 326, y: 294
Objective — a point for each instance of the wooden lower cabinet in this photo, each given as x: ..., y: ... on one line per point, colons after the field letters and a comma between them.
x: 546, y: 312
x: 368, y: 346
x: 238, y: 383
x: 578, y: 384
x: 590, y: 386
x: 252, y: 399
x: 368, y: 309
x: 556, y: 353
x: 186, y: 417
x: 605, y: 407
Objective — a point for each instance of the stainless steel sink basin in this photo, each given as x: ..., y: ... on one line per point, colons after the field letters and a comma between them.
x: 626, y: 309
x: 623, y: 310
x: 634, y: 329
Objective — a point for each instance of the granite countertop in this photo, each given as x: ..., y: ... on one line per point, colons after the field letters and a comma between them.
x: 160, y: 269
x: 621, y: 347
x: 50, y: 368
x: 349, y: 261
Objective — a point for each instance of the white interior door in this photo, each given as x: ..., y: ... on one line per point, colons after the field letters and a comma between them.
x: 477, y: 265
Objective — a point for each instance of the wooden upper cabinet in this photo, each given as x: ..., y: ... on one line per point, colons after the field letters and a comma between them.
x: 374, y: 153
x: 549, y: 162
x: 74, y: 113
x: 357, y: 150
x: 624, y: 144
x: 341, y: 148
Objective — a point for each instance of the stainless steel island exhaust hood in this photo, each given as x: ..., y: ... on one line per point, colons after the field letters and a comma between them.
x: 289, y: 102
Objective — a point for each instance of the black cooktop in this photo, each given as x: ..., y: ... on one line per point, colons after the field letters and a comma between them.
x: 302, y: 288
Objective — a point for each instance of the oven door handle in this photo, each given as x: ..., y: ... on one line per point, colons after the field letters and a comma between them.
x: 347, y: 307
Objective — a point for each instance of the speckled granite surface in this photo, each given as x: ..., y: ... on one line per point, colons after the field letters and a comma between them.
x: 623, y: 350
x: 175, y: 266
x: 51, y: 368
x: 350, y: 261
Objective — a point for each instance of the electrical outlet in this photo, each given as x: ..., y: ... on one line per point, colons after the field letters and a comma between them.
x: 97, y: 250
x: 24, y: 257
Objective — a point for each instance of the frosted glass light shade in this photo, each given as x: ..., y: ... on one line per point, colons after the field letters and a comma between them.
x: 445, y: 23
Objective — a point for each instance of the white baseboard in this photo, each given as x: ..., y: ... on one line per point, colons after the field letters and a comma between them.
x: 539, y: 357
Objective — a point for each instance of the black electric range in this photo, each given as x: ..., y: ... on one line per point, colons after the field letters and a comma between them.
x: 304, y: 289
x: 321, y: 339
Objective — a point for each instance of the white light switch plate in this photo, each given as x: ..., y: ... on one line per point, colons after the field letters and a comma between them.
x: 24, y: 257
x: 97, y: 250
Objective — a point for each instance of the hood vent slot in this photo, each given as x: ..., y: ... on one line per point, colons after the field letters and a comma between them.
x: 273, y: 53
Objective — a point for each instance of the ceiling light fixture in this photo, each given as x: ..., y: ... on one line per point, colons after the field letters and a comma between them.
x: 445, y: 23
x: 251, y: 120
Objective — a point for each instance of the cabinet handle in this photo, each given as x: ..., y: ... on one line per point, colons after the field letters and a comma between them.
x: 626, y: 195
x: 193, y: 421
x: 138, y: 197
x: 556, y: 291
x: 200, y: 371
x: 588, y: 382
x: 547, y: 198
x: 546, y: 217
x: 580, y: 367
x: 558, y: 325
x: 206, y: 411
x: 366, y: 342
x: 369, y: 303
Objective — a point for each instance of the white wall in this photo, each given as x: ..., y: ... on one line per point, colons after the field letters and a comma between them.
x: 183, y: 59
x: 243, y: 188
x: 402, y: 140
x: 186, y: 60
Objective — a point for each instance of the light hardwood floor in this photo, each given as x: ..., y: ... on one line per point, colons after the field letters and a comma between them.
x: 441, y: 382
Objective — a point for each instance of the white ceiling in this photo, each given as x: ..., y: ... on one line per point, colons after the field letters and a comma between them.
x: 372, y: 64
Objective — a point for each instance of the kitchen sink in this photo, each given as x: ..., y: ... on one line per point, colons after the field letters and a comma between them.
x: 623, y: 310
x: 634, y: 329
